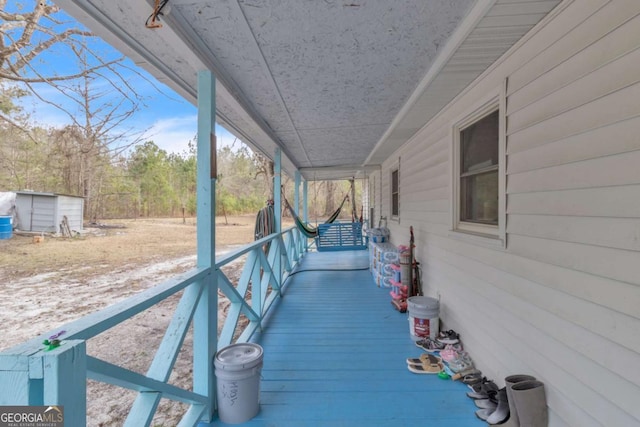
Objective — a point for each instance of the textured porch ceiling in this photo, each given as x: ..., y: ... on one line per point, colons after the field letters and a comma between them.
x: 337, y: 84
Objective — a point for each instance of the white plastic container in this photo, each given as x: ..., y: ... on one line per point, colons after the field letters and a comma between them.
x: 424, y: 317
x: 238, y: 369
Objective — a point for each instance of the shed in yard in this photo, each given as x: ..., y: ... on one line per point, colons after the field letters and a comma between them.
x: 46, y: 211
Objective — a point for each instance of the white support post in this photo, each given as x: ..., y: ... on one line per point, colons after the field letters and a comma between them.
x: 205, y: 323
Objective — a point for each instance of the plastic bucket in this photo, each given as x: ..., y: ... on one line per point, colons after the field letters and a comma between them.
x: 424, y: 317
x: 6, y: 227
x: 238, y: 369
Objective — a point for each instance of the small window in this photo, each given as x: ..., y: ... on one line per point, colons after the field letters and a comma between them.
x: 479, y: 159
x: 478, y: 178
x: 395, y: 194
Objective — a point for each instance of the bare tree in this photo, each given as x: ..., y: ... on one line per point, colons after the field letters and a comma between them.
x: 264, y: 166
x: 330, y: 202
x: 28, y: 30
x: 29, y: 34
x: 99, y: 106
x: 94, y: 91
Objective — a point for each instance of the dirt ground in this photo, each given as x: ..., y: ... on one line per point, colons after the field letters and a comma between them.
x: 47, y: 284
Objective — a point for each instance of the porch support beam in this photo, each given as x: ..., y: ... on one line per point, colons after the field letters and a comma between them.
x: 296, y: 194
x: 277, y: 189
x: 305, y: 201
x: 205, y: 323
x: 305, y: 212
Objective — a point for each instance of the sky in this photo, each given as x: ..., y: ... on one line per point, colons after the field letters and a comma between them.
x: 164, y: 117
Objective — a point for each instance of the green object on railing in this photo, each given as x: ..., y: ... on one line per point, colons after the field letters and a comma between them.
x: 53, y: 341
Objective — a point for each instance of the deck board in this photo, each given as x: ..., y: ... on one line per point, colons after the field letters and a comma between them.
x: 334, y: 355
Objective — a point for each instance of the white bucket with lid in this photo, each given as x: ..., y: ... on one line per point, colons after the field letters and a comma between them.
x: 238, y: 369
x: 424, y: 317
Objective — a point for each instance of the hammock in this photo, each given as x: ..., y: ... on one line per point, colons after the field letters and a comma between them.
x: 307, y: 230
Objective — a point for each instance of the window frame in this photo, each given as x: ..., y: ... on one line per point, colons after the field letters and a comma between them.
x: 394, y: 169
x: 494, y: 235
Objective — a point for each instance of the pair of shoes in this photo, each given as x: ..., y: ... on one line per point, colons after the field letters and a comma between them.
x: 468, y: 376
x: 430, y: 345
x: 451, y: 352
x: 425, y: 364
x: 448, y: 337
x: 461, y: 363
x: 424, y: 358
x: 490, y: 403
x: 471, y: 376
x: 483, y: 390
x: 496, y: 410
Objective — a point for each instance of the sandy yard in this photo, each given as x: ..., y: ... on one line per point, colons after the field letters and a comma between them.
x: 45, y: 285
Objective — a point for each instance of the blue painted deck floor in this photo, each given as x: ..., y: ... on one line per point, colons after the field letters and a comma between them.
x: 334, y: 355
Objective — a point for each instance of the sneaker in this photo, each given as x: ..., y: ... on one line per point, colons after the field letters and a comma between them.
x: 430, y: 345
x: 448, y: 337
x: 461, y: 363
x: 449, y: 353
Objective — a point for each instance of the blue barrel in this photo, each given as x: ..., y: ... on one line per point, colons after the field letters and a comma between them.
x: 6, y: 228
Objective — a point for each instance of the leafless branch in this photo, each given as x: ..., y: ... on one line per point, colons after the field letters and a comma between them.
x: 23, y: 129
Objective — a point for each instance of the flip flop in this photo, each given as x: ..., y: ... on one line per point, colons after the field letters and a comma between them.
x: 424, y: 359
x: 425, y: 369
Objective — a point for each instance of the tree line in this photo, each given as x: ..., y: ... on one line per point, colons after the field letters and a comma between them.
x: 145, y: 181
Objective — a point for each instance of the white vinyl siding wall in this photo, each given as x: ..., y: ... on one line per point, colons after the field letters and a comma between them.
x: 562, y: 300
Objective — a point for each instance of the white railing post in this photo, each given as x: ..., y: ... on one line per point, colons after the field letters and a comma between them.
x: 205, y: 323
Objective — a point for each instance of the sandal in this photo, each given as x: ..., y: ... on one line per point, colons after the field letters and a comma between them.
x: 425, y: 368
x: 424, y: 359
x: 425, y: 364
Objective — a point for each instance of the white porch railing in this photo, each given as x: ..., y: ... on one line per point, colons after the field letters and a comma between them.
x: 31, y: 375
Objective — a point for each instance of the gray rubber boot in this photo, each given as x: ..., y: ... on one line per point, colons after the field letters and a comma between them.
x: 531, y: 403
x: 501, y: 414
x: 510, y: 381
